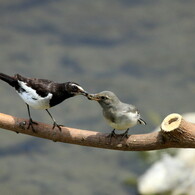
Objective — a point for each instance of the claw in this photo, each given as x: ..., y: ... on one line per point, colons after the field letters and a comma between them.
x: 58, y: 126
x: 112, y: 134
x: 124, y: 134
x: 30, y: 124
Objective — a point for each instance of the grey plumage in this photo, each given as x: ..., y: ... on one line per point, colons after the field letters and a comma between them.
x: 119, y: 115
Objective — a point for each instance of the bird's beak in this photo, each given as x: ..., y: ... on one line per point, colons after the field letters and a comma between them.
x: 85, y: 93
x: 95, y: 97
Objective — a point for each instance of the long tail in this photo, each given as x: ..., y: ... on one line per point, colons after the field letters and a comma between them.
x: 8, y: 79
x: 141, y: 121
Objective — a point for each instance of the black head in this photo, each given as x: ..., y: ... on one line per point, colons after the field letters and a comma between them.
x: 75, y: 89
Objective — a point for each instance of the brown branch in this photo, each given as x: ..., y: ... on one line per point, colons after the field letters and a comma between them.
x: 175, y: 133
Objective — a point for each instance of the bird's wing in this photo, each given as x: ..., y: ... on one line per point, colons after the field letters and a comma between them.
x: 109, y: 115
x: 125, y: 108
x: 40, y: 85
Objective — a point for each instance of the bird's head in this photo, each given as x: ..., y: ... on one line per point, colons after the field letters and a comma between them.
x: 75, y: 89
x: 104, y: 97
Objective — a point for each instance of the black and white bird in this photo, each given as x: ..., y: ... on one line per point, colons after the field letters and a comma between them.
x: 42, y: 93
x: 119, y: 115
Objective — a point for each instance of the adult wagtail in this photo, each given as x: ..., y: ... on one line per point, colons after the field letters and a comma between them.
x: 119, y: 115
x: 42, y: 93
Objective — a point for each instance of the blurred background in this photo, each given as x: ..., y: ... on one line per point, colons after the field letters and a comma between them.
x: 141, y: 50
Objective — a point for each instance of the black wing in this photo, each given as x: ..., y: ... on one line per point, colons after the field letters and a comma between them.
x: 42, y: 86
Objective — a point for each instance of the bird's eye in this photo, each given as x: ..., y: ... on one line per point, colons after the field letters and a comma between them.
x: 104, y: 98
x: 74, y: 88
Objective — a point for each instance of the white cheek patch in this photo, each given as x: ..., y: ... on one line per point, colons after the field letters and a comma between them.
x: 79, y: 87
x: 33, y: 99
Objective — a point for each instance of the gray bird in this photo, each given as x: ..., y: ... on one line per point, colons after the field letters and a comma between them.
x: 119, y: 115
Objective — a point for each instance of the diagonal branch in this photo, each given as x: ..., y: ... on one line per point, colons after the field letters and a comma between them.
x: 175, y: 133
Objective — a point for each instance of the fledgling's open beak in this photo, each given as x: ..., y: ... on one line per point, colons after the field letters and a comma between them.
x: 95, y: 97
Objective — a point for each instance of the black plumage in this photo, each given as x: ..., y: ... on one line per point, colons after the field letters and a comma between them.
x: 42, y: 93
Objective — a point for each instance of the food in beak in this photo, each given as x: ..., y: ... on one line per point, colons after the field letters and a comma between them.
x: 93, y: 97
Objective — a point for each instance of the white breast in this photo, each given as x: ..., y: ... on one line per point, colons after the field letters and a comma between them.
x: 124, y: 121
x: 34, y: 100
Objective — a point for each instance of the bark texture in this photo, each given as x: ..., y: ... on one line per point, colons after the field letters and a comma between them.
x: 175, y: 133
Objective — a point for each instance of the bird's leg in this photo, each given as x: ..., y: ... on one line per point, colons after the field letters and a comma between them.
x: 112, y: 134
x: 125, y: 134
x: 31, y: 122
x: 54, y: 121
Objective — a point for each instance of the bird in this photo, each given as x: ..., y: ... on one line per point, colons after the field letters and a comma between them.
x: 119, y: 115
x: 42, y: 93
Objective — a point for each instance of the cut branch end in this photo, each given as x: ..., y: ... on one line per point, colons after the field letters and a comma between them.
x: 171, y: 122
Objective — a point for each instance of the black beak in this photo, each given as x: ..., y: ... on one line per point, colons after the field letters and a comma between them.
x: 84, y: 93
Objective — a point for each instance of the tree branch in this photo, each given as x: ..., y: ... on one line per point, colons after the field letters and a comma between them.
x: 175, y: 133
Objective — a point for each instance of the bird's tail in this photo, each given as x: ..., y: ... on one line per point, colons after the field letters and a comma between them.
x: 141, y: 121
x: 8, y: 79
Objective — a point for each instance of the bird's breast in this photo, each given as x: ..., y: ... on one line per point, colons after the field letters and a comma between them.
x: 121, y: 120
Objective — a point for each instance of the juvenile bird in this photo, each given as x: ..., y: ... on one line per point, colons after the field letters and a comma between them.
x: 42, y: 93
x: 119, y: 115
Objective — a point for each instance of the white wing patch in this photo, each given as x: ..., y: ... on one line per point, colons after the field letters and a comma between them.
x: 34, y: 100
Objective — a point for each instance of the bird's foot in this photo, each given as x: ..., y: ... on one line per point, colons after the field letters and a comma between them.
x: 124, y: 135
x: 112, y: 134
x: 31, y: 123
x: 58, y: 126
